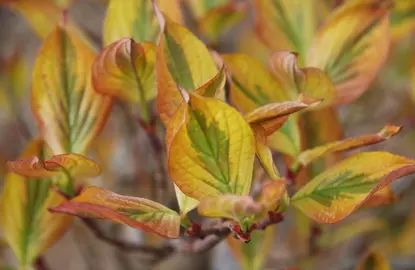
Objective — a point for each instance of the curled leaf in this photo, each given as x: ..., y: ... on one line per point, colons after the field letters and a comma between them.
x: 343, y: 188
x: 311, y: 81
x: 72, y: 164
x: 386, y: 133
x: 69, y: 112
x: 272, y: 193
x: 140, y: 213
x: 125, y: 69
x: 213, y: 151
x: 272, y: 116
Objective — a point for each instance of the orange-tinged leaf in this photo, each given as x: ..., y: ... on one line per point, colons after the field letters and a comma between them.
x: 272, y: 193
x: 140, y: 213
x: 263, y: 152
x: 273, y: 115
x: 220, y: 19
x: 239, y: 208
x: 26, y: 224
x: 373, y: 260
x: 213, y: 151
x: 386, y: 133
x: 252, y: 255
x: 353, y: 58
x: 294, y: 80
x: 287, y: 139
x: 215, y: 87
x: 69, y: 112
x: 341, y: 189
x: 136, y: 19
x: 182, y: 60
x: 125, y: 69
x: 381, y: 197
x: 74, y: 165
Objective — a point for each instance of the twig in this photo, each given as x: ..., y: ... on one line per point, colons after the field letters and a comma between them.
x: 40, y: 264
x: 160, y: 252
x: 210, y: 237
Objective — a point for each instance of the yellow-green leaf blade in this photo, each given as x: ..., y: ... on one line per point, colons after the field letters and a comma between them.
x: 373, y: 260
x: 182, y: 59
x: 353, y: 58
x: 26, y: 224
x: 341, y: 189
x: 213, y: 151
x: 140, y: 213
x: 69, y: 112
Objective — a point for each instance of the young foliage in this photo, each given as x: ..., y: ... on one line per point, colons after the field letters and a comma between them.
x: 140, y: 213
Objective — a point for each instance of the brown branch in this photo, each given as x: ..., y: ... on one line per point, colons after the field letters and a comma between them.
x: 160, y: 252
x: 210, y: 237
x: 40, y: 264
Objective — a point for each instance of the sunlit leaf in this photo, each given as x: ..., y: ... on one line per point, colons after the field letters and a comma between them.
x: 341, y: 189
x: 213, y: 151
x: 383, y: 196
x: 294, y: 80
x: 239, y: 208
x: 308, y: 156
x: 182, y: 59
x: 353, y: 58
x: 220, y: 19
x: 140, y: 213
x: 136, y: 19
x: 26, y: 223
x: 125, y: 69
x: 215, y: 87
x: 252, y: 255
x: 72, y: 164
x: 288, y: 24
x: 373, y: 260
x: 69, y: 112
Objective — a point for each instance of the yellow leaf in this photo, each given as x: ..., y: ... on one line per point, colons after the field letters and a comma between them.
x: 125, y: 69
x: 402, y: 18
x: 72, y: 164
x: 136, y: 19
x: 272, y: 193
x: 26, y: 223
x: 252, y: 255
x: 199, y: 8
x: 140, y: 213
x: 239, y: 208
x: 213, y: 151
x: 182, y: 60
x: 69, y: 112
x: 343, y: 188
x: 353, y: 58
x: 373, y: 260
x: 308, y: 156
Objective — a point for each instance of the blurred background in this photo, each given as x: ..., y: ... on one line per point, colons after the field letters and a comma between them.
x: 122, y: 150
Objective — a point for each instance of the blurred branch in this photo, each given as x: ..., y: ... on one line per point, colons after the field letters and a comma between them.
x: 160, y: 252
x: 40, y: 264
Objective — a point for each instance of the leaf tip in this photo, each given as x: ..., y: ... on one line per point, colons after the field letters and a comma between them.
x: 389, y: 131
